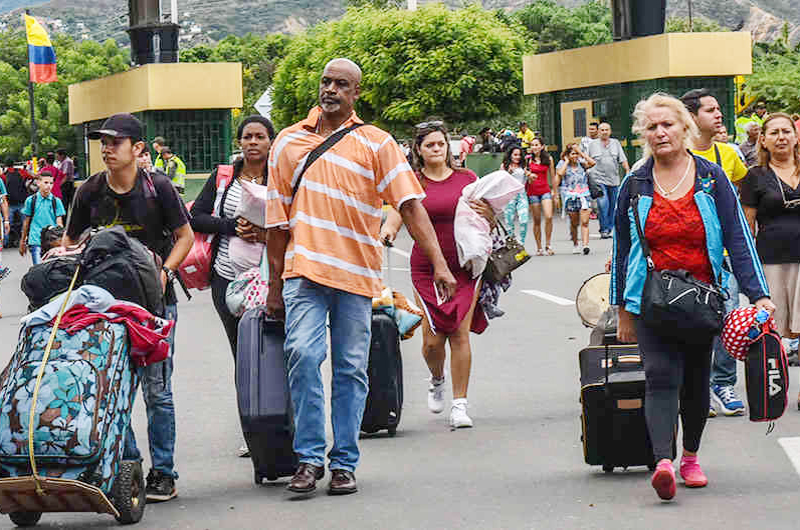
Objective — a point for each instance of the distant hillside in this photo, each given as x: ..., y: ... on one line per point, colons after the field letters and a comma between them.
x: 212, y: 20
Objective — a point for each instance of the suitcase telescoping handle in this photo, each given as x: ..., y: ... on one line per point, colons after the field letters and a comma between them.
x: 388, y: 246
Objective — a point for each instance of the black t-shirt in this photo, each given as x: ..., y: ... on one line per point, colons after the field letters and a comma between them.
x: 778, y: 237
x: 15, y: 185
x: 150, y: 211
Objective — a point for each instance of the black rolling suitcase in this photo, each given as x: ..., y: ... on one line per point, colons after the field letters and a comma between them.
x: 262, y: 390
x: 385, y: 371
x: 613, y: 425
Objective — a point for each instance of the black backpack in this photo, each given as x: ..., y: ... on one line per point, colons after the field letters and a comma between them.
x: 33, y: 206
x: 15, y: 185
x: 48, y: 279
x: 124, y: 267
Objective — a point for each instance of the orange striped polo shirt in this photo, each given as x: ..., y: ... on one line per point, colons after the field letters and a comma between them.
x: 335, y: 217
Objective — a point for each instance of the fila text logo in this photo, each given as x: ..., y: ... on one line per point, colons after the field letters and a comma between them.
x: 774, y: 378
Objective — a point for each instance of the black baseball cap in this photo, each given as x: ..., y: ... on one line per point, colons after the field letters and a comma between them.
x: 120, y: 125
x: 761, y: 105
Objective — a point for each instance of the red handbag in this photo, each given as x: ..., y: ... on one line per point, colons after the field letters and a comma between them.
x: 195, y: 271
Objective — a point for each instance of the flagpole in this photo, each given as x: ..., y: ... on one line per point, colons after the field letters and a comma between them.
x: 30, y: 98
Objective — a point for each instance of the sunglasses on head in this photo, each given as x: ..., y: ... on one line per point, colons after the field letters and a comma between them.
x: 428, y: 124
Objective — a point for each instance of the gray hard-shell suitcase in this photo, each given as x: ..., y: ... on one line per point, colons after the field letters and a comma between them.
x: 262, y: 390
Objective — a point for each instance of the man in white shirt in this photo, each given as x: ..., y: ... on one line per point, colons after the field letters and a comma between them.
x: 607, y: 152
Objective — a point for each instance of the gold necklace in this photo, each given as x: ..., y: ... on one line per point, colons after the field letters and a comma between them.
x: 251, y: 178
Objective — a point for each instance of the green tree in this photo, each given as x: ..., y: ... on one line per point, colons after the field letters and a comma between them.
x: 462, y: 65
x: 554, y: 27
x: 699, y: 24
x: 258, y: 56
x: 76, y: 62
x: 776, y: 76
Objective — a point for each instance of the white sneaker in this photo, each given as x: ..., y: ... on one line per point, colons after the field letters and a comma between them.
x: 576, y: 249
x: 436, y: 395
x: 458, y: 414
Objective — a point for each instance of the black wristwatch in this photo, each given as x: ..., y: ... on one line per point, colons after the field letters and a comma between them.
x: 170, y: 273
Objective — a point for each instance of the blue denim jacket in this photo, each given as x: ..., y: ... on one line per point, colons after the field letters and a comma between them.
x: 725, y: 226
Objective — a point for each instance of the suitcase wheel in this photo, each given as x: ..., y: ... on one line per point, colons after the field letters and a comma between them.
x: 25, y: 518
x: 128, y: 494
x: 608, y: 469
x: 651, y: 467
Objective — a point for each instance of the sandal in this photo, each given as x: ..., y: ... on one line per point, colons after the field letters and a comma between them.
x: 539, y: 252
x: 550, y: 251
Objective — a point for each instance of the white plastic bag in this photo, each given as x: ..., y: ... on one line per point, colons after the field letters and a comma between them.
x: 253, y: 204
x: 243, y: 254
x: 471, y: 231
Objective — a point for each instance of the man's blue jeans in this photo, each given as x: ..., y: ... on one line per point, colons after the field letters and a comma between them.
x: 723, y: 367
x: 308, y: 304
x: 36, y: 254
x: 606, y: 207
x: 157, y: 391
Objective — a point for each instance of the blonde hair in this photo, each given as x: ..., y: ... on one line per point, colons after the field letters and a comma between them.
x: 764, y: 156
x: 641, y: 122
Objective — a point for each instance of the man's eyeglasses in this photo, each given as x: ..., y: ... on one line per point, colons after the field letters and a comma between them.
x: 428, y: 124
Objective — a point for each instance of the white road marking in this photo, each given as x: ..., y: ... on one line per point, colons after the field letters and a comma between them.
x: 792, y: 448
x: 549, y: 297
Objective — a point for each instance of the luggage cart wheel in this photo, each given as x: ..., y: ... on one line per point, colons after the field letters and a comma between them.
x: 25, y: 518
x: 392, y: 431
x: 129, y: 496
x: 608, y: 469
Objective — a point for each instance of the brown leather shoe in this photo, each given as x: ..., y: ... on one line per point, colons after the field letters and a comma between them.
x: 342, y: 482
x: 305, y: 478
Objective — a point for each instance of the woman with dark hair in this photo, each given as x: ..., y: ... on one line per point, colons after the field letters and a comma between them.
x: 445, y: 320
x: 212, y: 213
x: 517, y: 208
x: 771, y: 201
x: 573, y: 184
x: 540, y: 196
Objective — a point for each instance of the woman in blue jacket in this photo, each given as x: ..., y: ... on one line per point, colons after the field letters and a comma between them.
x: 690, y: 214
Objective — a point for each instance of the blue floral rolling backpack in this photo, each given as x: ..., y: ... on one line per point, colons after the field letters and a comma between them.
x: 82, y: 411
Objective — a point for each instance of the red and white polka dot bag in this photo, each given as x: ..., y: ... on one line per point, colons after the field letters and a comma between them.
x: 735, y: 336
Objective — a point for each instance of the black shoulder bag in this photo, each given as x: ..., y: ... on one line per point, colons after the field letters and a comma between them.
x: 676, y: 305
x: 318, y: 151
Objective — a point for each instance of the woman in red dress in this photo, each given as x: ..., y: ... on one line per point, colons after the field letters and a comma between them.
x: 453, y: 319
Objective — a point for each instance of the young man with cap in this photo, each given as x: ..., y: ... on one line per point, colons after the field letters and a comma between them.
x: 149, y: 208
x: 707, y: 114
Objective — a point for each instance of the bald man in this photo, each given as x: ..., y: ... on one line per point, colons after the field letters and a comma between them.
x: 325, y: 264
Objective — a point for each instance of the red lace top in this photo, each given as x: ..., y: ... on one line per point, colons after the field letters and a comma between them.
x: 677, y: 237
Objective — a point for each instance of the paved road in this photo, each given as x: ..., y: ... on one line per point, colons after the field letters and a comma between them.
x: 520, y: 467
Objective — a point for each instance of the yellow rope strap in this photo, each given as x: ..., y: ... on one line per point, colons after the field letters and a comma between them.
x: 45, y: 357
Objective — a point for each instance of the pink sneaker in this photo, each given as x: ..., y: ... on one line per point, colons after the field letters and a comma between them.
x: 663, y: 480
x: 692, y: 475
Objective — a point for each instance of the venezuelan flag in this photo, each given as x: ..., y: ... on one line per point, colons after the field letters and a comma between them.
x: 41, y: 56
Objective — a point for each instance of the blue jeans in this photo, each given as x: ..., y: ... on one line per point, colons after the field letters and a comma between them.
x: 723, y: 368
x: 606, y: 208
x: 36, y: 253
x: 157, y: 391
x: 308, y: 304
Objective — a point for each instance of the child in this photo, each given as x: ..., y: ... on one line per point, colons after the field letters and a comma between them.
x: 40, y: 210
